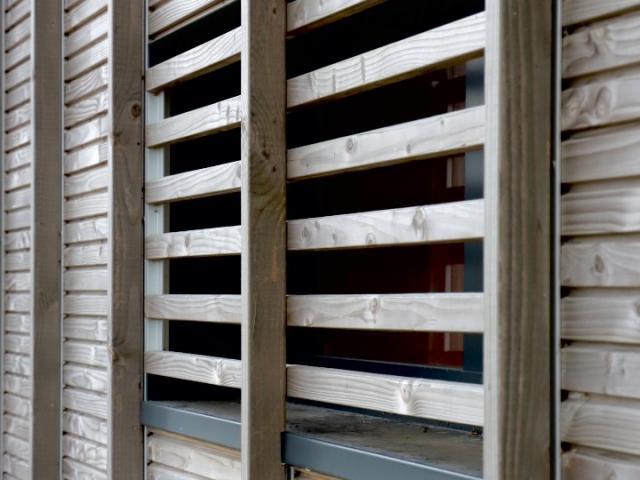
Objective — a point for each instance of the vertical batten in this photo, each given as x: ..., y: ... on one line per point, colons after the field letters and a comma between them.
x: 126, y: 237
x: 46, y: 136
x: 263, y: 237
x: 517, y: 240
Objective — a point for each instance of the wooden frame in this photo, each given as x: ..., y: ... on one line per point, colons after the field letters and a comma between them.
x: 518, y: 240
x: 127, y: 241
x: 46, y: 136
x: 263, y: 100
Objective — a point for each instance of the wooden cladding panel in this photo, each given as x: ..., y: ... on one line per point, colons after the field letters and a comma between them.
x: 591, y: 464
x: 173, y: 12
x: 196, y: 368
x: 580, y: 11
x: 306, y: 14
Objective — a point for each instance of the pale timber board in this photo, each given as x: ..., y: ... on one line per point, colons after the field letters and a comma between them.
x: 451, y: 222
x: 17, y: 158
x: 220, y: 116
x: 437, y: 136
x: 14, y: 322
x: 17, y: 302
x: 85, y: 255
x: 434, y: 399
x: 83, y: 13
x: 601, y: 422
x: 17, y: 241
x: 17, y: 282
x: 17, y: 96
x: 85, y: 426
x: 581, y: 11
x: 18, y: 406
x: 16, y: 343
x: 90, y: 205
x: 86, y: 353
x: 17, y: 138
x: 18, y: 364
x: 87, y: 60
x: 87, y: 35
x: 18, y: 54
x: 602, y: 154
x: 16, y: 447
x: 17, y: 199
x: 17, y: 75
x: 601, y: 262
x: 86, y: 157
x: 73, y: 470
x: 196, y: 368
x: 16, y: 426
x: 208, y: 57
x: 446, y: 312
x: 85, y: 452
x: 17, y: 261
x: 199, y: 308
x: 85, y: 328
x: 600, y: 208
x: 600, y: 46
x: 16, y: 13
x: 194, y: 243
x: 86, y: 109
x: 157, y: 471
x: 86, y: 230
x: 86, y: 181
x: 603, y: 369
x: 18, y: 385
x: 206, y: 460
x: 86, y: 279
x: 16, y: 468
x: 21, y: 177
x: 604, y: 102
x: 601, y: 316
x: 307, y: 14
x: 174, y: 12
x: 17, y: 219
x: 84, y: 134
x: 17, y: 34
x: 86, y: 85
x: 456, y: 42
x: 216, y: 180
x: 591, y: 464
x: 86, y: 305
x: 92, y: 403
x: 17, y: 118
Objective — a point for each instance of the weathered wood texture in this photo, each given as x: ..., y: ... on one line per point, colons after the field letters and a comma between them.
x: 263, y: 196
x: 103, y: 211
x: 601, y: 255
x: 517, y: 245
x: 304, y: 15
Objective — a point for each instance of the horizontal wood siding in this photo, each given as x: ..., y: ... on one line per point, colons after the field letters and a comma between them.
x: 601, y: 253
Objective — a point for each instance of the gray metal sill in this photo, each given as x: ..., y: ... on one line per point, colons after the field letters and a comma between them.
x: 347, y: 445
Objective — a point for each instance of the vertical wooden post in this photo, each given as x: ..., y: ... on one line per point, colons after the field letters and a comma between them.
x: 517, y: 245
x: 126, y: 248
x: 263, y: 238
x: 46, y: 144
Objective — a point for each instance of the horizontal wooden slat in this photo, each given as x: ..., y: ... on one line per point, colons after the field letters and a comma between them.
x: 601, y: 102
x: 95, y: 404
x: 86, y: 157
x: 591, y: 464
x: 16, y: 447
x: 192, y: 456
x: 86, y: 60
x: 17, y: 343
x: 580, y: 11
x: 84, y: 12
x: 94, y: 379
x: 601, y: 368
x: 196, y: 368
x: 86, y: 279
x: 14, y: 262
x: 604, y: 45
x: 451, y: 222
x: 601, y: 316
x: 73, y: 469
x: 18, y: 406
x: 85, y: 206
x: 18, y: 364
x: 209, y: 56
x: 86, y: 230
x: 15, y: 322
x: 445, y: 312
x: 606, y: 262
x: 18, y: 12
x: 436, y: 136
x: 601, y: 422
x: 18, y: 385
x: 443, y: 46
x: 85, y: 255
x: 307, y: 14
x: 16, y: 467
x: 85, y: 426
x: 604, y: 207
x: 437, y: 400
x: 216, y: 180
x: 174, y: 12
x: 17, y: 240
x: 86, y: 304
x: 86, y: 353
x: 220, y: 116
x: 87, y: 35
x: 85, y: 328
x: 86, y: 109
x: 602, y: 154
x: 199, y: 308
x: 85, y: 452
x: 17, y: 158
x: 17, y: 34
x: 86, y: 85
x: 18, y: 54
x: 194, y: 243
x: 86, y: 133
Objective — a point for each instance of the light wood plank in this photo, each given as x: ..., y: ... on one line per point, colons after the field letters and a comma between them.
x: 95, y: 404
x: 86, y: 378
x: 196, y: 368
x: 18, y: 54
x: 15, y: 322
x: 218, y: 117
x: 86, y: 133
x: 445, y: 312
x: 195, y: 457
x: 602, y: 102
x: 601, y: 422
x: 86, y: 109
x: 600, y: 46
x: 86, y: 280
x: 436, y: 136
x: 443, y: 46
x: 86, y: 60
x: 18, y: 406
x: 17, y: 199
x: 86, y: 85
x: 580, y: 11
x: 92, y: 354
x: 601, y: 154
x: 205, y: 58
x: 85, y: 255
x: 86, y: 230
x: 216, y: 180
x: 590, y: 464
x: 85, y: 328
x: 16, y: 447
x: 17, y: 241
x: 19, y: 178
x: 17, y: 117
x: 85, y: 305
x: 18, y: 302
x: 18, y: 158
x: 17, y: 384
x: 83, y: 13
x: 18, y: 364
x: 17, y: 282
x: 194, y: 243
x: 17, y: 219
x: 16, y: 13
x: 72, y: 470
x: 17, y: 261
x: 85, y: 426
x: 438, y: 400
x: 16, y: 343
x: 17, y: 34
x: 198, y: 308
x: 86, y: 157
x: 16, y: 467
x: 452, y: 222
x: 174, y: 12
x: 85, y: 452
x: 18, y: 96
x: 601, y: 262
x: 604, y: 207
x: 90, y: 205
x: 603, y: 369
x: 304, y: 15
x: 87, y: 35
